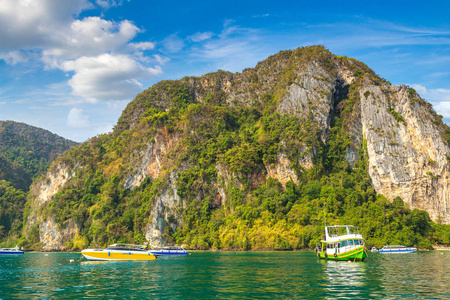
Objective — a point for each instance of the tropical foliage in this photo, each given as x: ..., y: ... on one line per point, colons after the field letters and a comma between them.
x: 12, y: 203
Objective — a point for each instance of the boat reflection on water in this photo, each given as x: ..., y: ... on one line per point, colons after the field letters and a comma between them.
x: 98, y: 262
x: 345, y: 279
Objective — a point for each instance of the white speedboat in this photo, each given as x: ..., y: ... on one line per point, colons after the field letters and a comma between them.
x: 119, y: 252
x: 169, y: 251
x: 11, y: 251
x: 397, y: 249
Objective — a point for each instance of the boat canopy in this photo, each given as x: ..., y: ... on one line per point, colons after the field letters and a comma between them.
x: 172, y: 248
x: 126, y: 247
x: 10, y: 249
x: 341, y: 230
x: 394, y: 246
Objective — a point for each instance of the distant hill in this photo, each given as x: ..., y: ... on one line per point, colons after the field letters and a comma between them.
x: 27, y: 151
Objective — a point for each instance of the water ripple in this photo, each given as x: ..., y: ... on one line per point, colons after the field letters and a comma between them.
x: 225, y: 275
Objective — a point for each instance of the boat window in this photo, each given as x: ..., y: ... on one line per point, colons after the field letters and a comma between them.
x: 350, y: 242
x: 344, y: 243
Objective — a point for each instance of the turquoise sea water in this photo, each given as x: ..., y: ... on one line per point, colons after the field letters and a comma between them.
x: 227, y: 275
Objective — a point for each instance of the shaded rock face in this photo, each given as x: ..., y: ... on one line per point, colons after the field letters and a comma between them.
x: 52, y: 238
x: 45, y: 189
x: 53, y: 183
x: 165, y: 214
x: 407, y: 153
x: 282, y: 170
x: 151, y: 160
x: 311, y: 94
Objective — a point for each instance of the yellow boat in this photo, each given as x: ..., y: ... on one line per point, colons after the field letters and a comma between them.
x: 119, y: 252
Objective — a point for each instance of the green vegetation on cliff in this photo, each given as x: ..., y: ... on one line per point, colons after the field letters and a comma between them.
x: 12, y: 204
x: 220, y: 153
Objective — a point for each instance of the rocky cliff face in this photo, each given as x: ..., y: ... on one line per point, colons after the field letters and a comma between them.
x: 151, y: 160
x: 53, y: 238
x: 404, y: 141
x: 165, y: 214
x: 50, y: 234
x: 407, y: 152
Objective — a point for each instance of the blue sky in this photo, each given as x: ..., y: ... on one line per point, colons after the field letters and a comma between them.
x: 71, y: 66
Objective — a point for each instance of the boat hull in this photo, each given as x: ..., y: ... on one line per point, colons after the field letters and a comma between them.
x: 397, y: 251
x: 357, y: 254
x: 11, y: 252
x: 93, y: 254
x: 169, y: 252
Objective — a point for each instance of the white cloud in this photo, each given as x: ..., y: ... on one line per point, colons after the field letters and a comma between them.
x: 97, y: 54
x: 106, y: 3
x: 443, y: 108
x: 91, y: 36
x: 439, y: 97
x: 78, y: 119
x: 13, y: 57
x: 31, y: 23
x: 3, y: 103
x: 201, y: 36
x: 434, y: 95
x: 173, y: 43
x: 143, y: 46
x: 108, y: 77
x: 261, y: 16
x: 233, y: 48
x: 161, y: 60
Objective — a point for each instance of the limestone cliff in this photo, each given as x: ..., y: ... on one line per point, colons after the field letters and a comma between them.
x: 165, y: 215
x: 407, y: 152
x: 51, y: 237
x: 178, y: 145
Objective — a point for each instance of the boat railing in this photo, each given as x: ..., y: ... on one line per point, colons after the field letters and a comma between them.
x: 172, y: 248
x: 129, y: 247
x: 341, y: 230
x: 395, y: 246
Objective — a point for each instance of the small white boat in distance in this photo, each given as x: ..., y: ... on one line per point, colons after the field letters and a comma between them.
x: 11, y: 251
x: 374, y: 249
x: 119, y: 252
x: 169, y: 251
x: 397, y: 249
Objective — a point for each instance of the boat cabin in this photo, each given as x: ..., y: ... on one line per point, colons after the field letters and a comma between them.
x: 341, y: 238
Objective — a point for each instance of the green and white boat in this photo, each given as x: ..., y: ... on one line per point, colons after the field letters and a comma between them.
x: 342, y: 242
